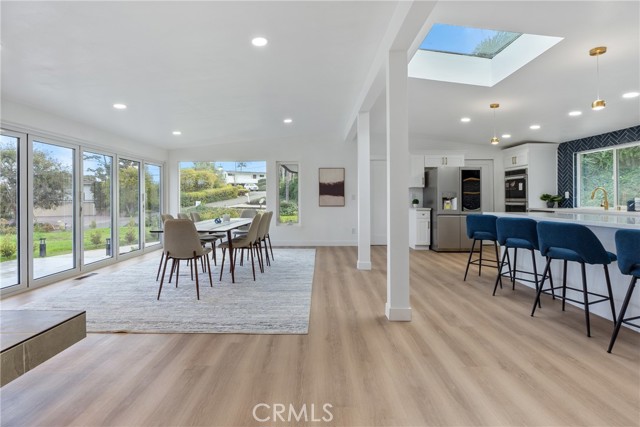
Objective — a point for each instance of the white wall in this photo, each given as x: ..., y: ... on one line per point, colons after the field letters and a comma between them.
x: 22, y: 118
x: 318, y: 226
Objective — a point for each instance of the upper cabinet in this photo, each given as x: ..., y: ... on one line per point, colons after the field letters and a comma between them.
x: 453, y: 160
x: 416, y: 171
x: 516, y: 158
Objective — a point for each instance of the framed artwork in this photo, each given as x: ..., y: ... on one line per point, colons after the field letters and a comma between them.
x: 331, y: 186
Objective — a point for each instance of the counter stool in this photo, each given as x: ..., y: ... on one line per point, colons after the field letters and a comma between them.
x: 628, y: 248
x: 481, y: 227
x: 573, y: 242
x: 517, y: 233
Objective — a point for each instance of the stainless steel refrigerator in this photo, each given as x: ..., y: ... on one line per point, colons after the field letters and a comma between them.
x: 452, y: 194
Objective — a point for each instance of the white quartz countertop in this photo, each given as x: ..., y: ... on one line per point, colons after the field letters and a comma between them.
x: 616, y: 220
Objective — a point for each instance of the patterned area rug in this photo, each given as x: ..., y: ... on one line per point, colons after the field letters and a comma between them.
x: 278, y: 302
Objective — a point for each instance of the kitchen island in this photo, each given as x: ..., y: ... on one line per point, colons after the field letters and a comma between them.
x: 604, y: 226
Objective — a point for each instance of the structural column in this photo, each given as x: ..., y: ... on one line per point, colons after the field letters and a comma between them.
x: 364, y: 192
x: 397, y: 307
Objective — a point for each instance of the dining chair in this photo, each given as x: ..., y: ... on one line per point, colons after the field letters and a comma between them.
x: 245, y: 213
x: 181, y: 242
x: 243, y: 242
x: 164, y: 217
x: 183, y: 216
x: 207, y: 237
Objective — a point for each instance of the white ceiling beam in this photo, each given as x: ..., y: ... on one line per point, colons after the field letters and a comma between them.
x: 407, y: 24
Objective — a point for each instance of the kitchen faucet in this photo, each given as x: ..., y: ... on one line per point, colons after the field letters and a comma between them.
x: 605, y: 201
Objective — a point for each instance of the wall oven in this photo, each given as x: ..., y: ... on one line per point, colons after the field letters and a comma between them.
x: 515, y: 190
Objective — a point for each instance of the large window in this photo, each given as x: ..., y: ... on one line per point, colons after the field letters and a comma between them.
x: 615, y: 169
x: 9, y: 208
x: 129, y: 215
x: 212, y: 189
x: 97, y: 232
x: 53, y: 201
x: 153, y: 202
x: 288, y: 212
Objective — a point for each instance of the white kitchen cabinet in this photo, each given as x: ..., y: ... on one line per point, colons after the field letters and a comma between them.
x: 453, y: 160
x: 516, y: 158
x: 541, y: 164
x: 419, y: 228
x: 416, y: 172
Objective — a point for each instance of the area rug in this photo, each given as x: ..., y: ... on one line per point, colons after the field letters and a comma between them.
x: 278, y: 302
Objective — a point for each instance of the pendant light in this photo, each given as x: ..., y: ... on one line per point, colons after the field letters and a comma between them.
x: 598, y: 104
x: 494, y: 140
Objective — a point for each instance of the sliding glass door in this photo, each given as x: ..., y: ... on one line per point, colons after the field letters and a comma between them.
x: 10, y: 204
x: 129, y: 205
x: 54, y: 213
x: 97, y: 222
x: 153, y: 202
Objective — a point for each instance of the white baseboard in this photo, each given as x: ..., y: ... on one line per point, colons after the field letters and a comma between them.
x: 397, y: 314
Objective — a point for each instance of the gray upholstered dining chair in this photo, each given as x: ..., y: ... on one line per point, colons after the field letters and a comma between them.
x: 181, y: 242
x: 164, y: 217
x: 246, y: 241
x: 183, y: 216
x: 207, y: 237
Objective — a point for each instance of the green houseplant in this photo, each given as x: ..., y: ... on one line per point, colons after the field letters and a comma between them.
x: 415, y: 203
x: 551, y: 199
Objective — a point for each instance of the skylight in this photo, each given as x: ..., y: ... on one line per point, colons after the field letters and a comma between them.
x: 474, y: 56
x: 459, y: 40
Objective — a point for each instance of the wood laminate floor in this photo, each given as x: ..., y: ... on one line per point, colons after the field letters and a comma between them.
x: 467, y: 358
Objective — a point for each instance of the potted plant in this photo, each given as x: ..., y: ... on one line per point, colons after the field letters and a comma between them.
x: 551, y: 199
x: 415, y: 203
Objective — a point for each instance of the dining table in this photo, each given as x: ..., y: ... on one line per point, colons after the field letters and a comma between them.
x: 211, y: 226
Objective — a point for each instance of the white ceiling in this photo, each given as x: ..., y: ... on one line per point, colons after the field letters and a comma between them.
x: 190, y: 66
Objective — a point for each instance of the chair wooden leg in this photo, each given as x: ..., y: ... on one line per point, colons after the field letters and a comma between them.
x: 163, y: 271
x: 209, y: 268
x: 194, y: 263
x: 213, y: 252
x: 177, y: 271
x: 222, y: 265
x: 159, y: 266
x: 623, y: 310
x: 270, y: 248
x: 253, y: 266
x: 266, y: 252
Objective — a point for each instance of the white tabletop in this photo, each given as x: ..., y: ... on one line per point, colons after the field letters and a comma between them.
x: 210, y: 225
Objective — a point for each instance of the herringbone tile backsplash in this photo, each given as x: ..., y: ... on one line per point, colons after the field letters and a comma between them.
x: 567, y: 155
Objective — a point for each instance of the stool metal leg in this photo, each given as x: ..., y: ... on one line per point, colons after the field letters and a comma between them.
x: 586, y: 298
x: 623, y: 310
x: 547, y: 270
x: 606, y: 275
x: 499, y: 278
x: 515, y: 268
x: 564, y: 284
x: 480, y: 263
x: 495, y: 245
x: 473, y: 245
x: 535, y: 272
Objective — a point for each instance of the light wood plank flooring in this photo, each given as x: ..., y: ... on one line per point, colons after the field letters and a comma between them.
x: 467, y: 358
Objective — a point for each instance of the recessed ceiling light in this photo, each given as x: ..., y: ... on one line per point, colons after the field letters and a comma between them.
x: 506, y: 135
x: 631, y: 95
x: 575, y: 113
x: 534, y: 127
x: 177, y: 132
x: 120, y: 106
x: 465, y: 120
x: 287, y: 121
x: 259, y: 41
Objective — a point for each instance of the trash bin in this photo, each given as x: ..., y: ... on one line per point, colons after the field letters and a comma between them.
x: 43, y: 247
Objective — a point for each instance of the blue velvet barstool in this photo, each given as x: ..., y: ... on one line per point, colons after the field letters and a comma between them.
x: 628, y: 248
x: 481, y: 227
x: 577, y: 243
x: 517, y: 233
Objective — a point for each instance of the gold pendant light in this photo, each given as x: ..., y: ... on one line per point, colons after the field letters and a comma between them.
x: 494, y: 140
x: 598, y: 104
